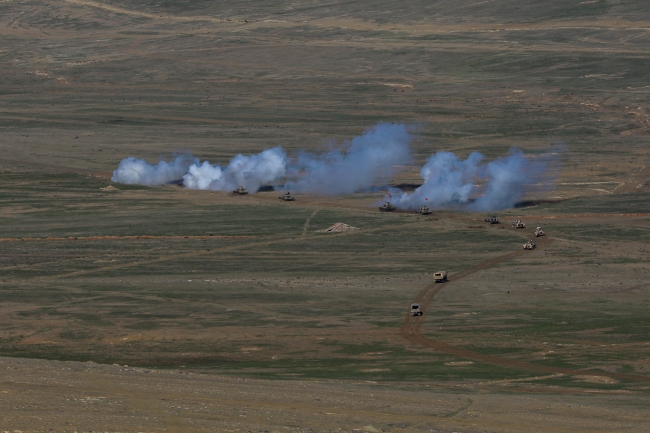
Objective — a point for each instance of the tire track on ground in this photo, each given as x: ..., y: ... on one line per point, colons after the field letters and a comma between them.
x: 306, y: 226
x: 268, y: 241
x: 411, y: 329
x: 163, y: 259
x: 142, y: 403
x: 121, y: 238
x: 589, y: 215
x: 96, y: 173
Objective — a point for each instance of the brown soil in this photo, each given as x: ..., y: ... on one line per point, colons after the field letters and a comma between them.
x: 68, y: 396
x: 131, y: 276
x: 411, y: 329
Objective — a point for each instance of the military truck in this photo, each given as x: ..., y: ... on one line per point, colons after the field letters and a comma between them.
x: 530, y: 245
x: 287, y: 197
x: 539, y: 232
x: 424, y: 210
x: 519, y: 224
x: 415, y: 310
x: 240, y: 190
x: 387, y: 207
x: 492, y: 220
x: 440, y: 277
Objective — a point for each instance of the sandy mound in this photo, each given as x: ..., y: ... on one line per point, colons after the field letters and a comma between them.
x: 338, y: 227
x: 109, y: 188
x: 596, y: 379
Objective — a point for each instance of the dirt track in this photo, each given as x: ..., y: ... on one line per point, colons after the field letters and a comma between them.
x: 40, y: 165
x: 590, y: 215
x: 208, y: 320
x: 411, y: 329
x: 118, y: 238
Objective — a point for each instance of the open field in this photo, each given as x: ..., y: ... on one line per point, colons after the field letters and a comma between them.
x: 234, y: 311
x: 210, y: 283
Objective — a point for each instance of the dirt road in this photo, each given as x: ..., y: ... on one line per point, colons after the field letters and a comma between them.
x: 412, y: 328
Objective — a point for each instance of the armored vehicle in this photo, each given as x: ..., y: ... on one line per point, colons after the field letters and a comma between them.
x: 539, y: 232
x: 492, y: 220
x: 440, y: 277
x: 415, y: 310
x: 387, y: 207
x: 530, y: 245
x: 424, y: 210
x: 519, y: 224
x: 240, y: 190
x: 287, y: 197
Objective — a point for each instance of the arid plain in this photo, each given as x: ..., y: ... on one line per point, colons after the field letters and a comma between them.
x: 128, y: 308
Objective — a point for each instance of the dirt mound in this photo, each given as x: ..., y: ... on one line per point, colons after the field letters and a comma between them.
x: 338, y: 227
x: 109, y: 188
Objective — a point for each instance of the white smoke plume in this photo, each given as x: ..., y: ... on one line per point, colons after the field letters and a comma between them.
x: 138, y: 171
x: 451, y: 182
x: 249, y: 171
x: 507, y: 177
x: 359, y: 164
x: 356, y: 165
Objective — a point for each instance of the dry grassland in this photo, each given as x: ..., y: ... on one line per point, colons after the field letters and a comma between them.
x: 234, y: 313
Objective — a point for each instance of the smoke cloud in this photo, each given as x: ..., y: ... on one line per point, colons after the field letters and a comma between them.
x: 507, y: 179
x: 450, y: 181
x: 138, y: 171
x: 249, y: 171
x: 356, y: 165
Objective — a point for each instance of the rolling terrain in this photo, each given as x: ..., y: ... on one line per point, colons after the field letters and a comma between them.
x: 133, y: 308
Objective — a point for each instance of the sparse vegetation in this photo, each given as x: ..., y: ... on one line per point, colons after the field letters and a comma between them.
x: 180, y: 280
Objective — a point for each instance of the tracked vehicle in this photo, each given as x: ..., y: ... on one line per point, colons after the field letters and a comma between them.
x: 287, y: 197
x: 440, y: 277
x: 492, y: 220
x: 530, y: 245
x: 539, y: 232
x: 240, y: 190
x: 415, y: 310
x: 519, y: 224
x: 424, y: 210
x: 387, y: 207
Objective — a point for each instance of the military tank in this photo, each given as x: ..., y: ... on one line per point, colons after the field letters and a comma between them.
x: 519, y: 224
x: 539, y: 232
x: 492, y: 220
x: 240, y: 190
x: 387, y: 207
x: 424, y: 210
x: 530, y: 245
x: 287, y: 197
